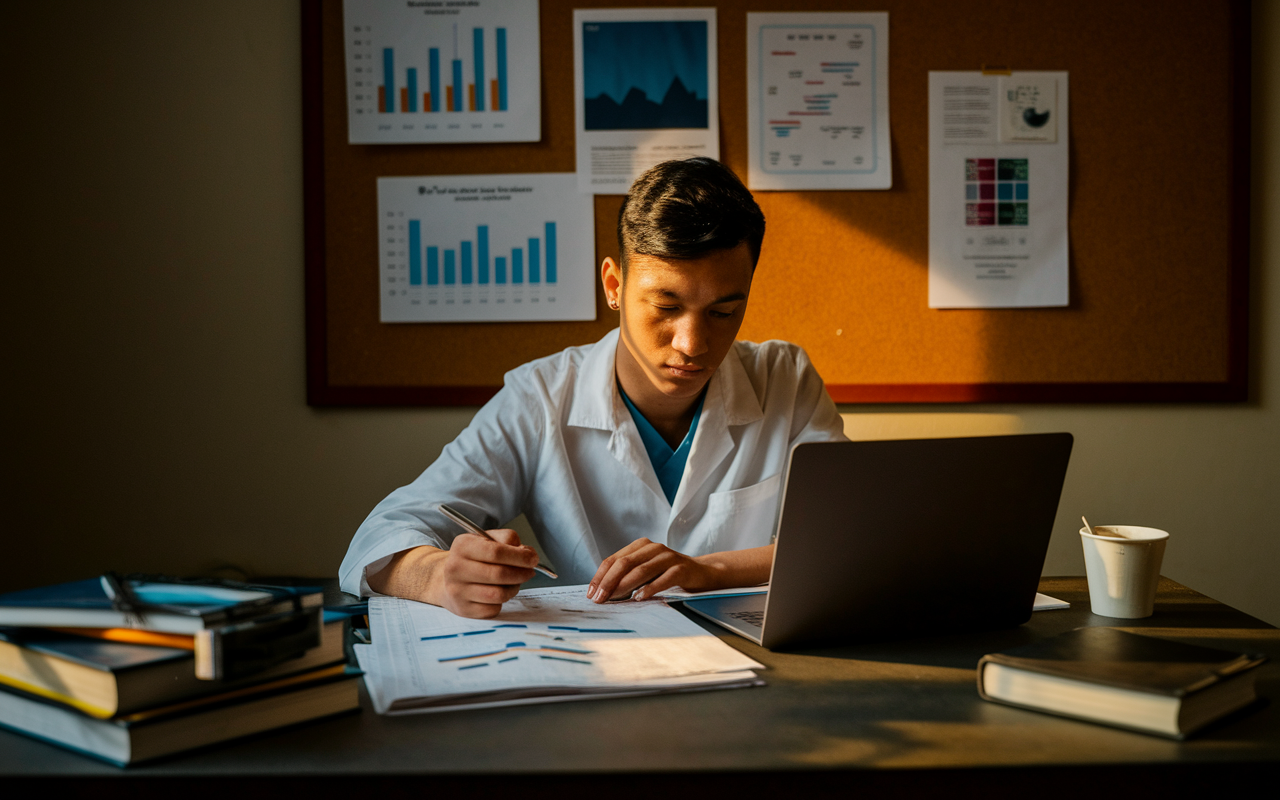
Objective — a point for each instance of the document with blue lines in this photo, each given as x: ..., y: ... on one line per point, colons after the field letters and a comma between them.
x: 548, y: 644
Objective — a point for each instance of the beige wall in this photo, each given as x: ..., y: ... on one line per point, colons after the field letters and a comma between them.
x: 154, y: 382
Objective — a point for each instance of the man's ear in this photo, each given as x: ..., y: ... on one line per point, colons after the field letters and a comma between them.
x: 611, y: 279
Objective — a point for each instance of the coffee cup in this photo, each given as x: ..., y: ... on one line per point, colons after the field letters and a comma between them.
x: 1122, y: 564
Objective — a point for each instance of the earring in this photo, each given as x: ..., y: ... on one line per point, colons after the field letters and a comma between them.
x: 613, y: 304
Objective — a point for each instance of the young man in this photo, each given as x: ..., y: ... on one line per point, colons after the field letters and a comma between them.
x: 650, y: 459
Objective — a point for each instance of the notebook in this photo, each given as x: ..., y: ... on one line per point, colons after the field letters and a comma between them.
x: 889, y: 539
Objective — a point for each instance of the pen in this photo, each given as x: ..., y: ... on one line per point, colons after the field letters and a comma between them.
x: 471, y: 527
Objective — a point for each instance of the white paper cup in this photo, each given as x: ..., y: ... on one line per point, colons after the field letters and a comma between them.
x: 1122, y: 563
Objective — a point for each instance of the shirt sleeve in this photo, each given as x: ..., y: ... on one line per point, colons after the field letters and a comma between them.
x: 485, y: 473
x: 815, y: 418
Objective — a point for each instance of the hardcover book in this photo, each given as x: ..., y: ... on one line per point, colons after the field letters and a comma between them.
x: 130, y: 738
x: 1122, y: 679
x: 171, y: 606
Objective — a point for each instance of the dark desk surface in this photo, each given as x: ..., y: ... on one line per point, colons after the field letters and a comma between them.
x: 900, y: 715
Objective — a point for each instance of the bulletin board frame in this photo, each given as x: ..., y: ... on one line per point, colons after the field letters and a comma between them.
x: 354, y: 360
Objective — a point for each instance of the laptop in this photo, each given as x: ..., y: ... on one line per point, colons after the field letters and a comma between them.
x: 888, y: 539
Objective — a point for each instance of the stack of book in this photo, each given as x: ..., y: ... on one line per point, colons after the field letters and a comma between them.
x: 129, y: 669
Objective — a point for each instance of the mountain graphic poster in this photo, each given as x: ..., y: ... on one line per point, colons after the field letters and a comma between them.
x: 645, y: 74
x: 645, y: 91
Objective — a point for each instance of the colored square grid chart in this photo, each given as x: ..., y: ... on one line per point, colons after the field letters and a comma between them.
x: 1013, y: 169
x: 1012, y: 214
x: 979, y: 169
x: 980, y: 214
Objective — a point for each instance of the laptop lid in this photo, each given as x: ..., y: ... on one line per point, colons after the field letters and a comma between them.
x: 893, y: 538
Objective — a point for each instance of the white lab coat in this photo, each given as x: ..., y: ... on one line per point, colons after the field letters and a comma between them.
x: 558, y: 444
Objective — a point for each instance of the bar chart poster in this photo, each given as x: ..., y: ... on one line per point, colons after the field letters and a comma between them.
x: 818, y: 101
x: 428, y: 72
x: 486, y: 248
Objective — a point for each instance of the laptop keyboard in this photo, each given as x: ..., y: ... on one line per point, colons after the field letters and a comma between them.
x: 755, y: 618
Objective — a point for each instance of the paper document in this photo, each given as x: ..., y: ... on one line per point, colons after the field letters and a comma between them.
x: 645, y: 91
x: 485, y: 248
x: 818, y: 101
x: 678, y: 594
x: 998, y: 190
x: 420, y: 72
x: 546, y: 644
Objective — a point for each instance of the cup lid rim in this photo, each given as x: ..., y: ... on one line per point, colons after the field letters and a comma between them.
x: 1145, y: 534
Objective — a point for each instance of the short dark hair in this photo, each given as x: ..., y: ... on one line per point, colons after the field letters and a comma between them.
x: 688, y: 209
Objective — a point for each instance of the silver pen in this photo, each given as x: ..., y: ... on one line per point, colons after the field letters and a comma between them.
x: 471, y: 527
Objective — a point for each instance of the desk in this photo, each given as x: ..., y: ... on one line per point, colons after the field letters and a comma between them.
x: 901, y: 716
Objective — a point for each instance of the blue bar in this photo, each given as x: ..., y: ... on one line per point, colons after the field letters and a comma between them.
x: 482, y: 252
x: 534, y: 271
x: 502, y: 69
x: 433, y: 56
x: 551, y: 252
x: 499, y: 269
x: 477, y: 45
x: 457, y: 84
x: 415, y: 253
x: 450, y: 268
x: 413, y: 90
x: 517, y: 265
x: 433, y: 266
x: 466, y: 262
x: 389, y: 77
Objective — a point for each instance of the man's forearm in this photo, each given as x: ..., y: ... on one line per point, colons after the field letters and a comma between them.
x: 733, y: 568
x: 410, y: 574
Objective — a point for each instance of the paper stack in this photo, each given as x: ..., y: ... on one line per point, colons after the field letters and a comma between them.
x: 547, y: 645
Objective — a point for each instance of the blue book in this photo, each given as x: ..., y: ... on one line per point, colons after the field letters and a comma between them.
x: 170, y: 606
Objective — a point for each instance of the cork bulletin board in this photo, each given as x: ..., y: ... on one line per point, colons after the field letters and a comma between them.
x: 1159, y: 215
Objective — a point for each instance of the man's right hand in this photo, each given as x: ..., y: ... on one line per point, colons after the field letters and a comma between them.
x: 473, y: 578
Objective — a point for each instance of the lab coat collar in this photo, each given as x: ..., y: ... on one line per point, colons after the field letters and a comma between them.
x: 597, y: 404
x: 731, y: 401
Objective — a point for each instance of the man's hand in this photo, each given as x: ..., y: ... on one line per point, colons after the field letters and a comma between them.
x: 649, y: 568
x: 473, y: 578
x: 643, y: 568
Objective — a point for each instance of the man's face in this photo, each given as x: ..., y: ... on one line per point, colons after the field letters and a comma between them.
x: 679, y: 319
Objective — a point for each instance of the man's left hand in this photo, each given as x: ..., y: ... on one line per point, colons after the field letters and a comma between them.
x: 643, y: 568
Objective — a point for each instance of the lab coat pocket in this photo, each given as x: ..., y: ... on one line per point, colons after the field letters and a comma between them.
x: 744, y: 517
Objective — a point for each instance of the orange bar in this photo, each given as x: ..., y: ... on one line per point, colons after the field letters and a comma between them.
x: 404, y: 99
x: 382, y: 99
x: 448, y: 96
x: 493, y: 84
x: 471, y: 95
x: 426, y: 101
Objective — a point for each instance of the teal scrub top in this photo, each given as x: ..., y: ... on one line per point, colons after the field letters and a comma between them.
x: 667, y: 463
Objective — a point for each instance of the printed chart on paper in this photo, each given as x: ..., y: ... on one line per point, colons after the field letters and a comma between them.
x: 818, y: 101
x: 442, y: 72
x: 545, y: 637
x: 485, y: 248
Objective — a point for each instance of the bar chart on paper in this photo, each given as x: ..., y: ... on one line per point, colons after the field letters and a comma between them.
x: 423, y: 73
x: 485, y: 248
